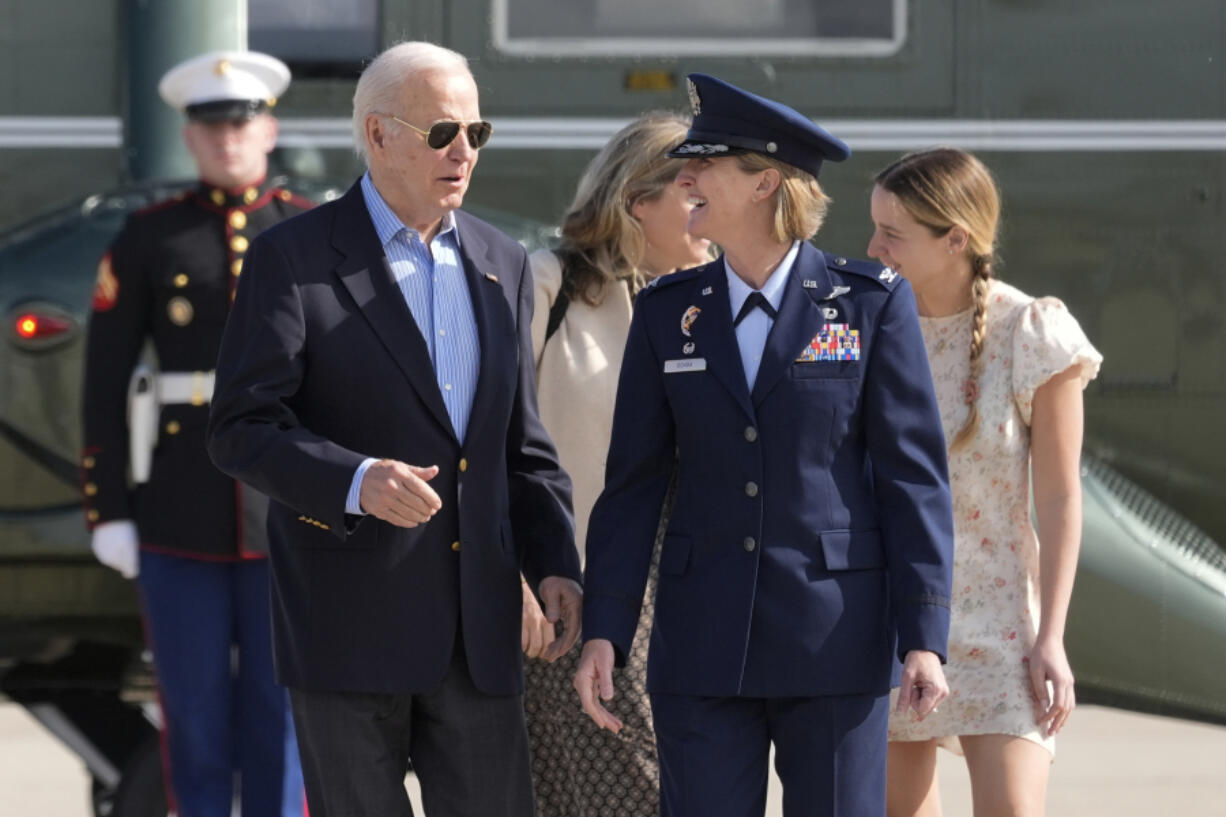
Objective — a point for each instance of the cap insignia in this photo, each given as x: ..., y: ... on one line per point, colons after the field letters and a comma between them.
x: 222, y: 68
x: 695, y: 102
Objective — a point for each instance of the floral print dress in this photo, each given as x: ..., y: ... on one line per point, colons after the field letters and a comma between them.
x: 995, y: 604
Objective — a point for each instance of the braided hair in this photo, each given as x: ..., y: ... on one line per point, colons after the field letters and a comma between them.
x: 943, y: 188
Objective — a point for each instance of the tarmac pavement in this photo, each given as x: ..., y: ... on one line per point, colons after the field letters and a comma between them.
x: 1109, y: 764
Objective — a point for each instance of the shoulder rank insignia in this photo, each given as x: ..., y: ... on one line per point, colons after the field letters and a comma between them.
x: 106, y: 287
x: 687, y: 320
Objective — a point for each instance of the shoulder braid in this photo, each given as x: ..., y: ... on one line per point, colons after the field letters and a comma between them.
x: 982, y: 267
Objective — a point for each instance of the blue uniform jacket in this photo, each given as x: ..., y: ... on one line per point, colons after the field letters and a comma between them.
x: 812, y: 534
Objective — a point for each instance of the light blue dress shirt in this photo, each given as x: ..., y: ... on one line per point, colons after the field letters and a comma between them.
x: 436, y: 291
x: 751, y: 332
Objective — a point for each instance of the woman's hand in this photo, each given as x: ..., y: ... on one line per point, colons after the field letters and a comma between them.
x: 1047, y: 664
x: 594, y: 683
x: 537, y: 632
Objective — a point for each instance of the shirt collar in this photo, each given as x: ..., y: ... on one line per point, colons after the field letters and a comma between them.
x: 738, y: 290
x: 388, y: 225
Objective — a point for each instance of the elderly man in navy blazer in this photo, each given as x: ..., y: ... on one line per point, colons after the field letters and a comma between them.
x: 375, y: 380
x: 811, y: 537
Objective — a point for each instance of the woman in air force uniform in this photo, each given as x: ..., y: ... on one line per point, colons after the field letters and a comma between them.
x: 811, y: 538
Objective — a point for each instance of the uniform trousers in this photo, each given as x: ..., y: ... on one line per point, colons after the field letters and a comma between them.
x: 714, y: 754
x: 469, y: 750
x: 209, y: 628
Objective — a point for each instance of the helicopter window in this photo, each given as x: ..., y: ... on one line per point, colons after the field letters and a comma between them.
x: 716, y: 27
x: 317, y: 38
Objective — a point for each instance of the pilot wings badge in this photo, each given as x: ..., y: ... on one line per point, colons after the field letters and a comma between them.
x: 687, y: 320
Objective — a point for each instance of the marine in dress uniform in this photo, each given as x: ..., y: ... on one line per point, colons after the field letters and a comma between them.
x: 168, y: 281
x: 810, y: 544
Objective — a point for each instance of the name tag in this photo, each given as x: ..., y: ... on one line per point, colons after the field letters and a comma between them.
x: 689, y: 364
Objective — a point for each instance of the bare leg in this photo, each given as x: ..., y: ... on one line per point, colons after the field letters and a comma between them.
x: 911, y: 779
x: 1008, y: 775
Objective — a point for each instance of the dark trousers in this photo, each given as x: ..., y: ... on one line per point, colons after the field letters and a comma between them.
x: 714, y: 754
x: 220, y: 715
x: 468, y: 749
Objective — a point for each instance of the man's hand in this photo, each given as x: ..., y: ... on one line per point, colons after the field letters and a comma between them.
x: 538, y: 632
x: 923, y: 683
x: 563, y: 602
x: 117, y: 545
x: 594, y: 683
x: 399, y: 493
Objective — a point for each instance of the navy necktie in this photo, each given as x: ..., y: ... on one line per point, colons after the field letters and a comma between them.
x: 755, y: 299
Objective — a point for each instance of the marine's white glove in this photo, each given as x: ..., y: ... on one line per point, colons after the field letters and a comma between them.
x: 117, y: 545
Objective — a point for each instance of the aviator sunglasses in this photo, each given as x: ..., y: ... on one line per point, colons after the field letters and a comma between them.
x: 443, y: 133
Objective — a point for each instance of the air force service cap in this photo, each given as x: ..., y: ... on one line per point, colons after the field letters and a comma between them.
x: 728, y: 120
x: 225, y: 86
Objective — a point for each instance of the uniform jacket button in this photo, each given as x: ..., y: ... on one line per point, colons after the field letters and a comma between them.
x: 463, y: 464
x: 751, y: 489
x: 751, y: 433
x: 750, y: 543
x: 455, y: 545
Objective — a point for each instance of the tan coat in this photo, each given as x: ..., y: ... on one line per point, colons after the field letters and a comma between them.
x: 576, y: 378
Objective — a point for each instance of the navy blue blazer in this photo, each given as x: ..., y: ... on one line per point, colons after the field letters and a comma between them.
x: 811, y: 539
x: 322, y: 365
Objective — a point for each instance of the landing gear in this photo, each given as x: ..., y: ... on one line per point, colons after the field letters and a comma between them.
x: 77, y: 698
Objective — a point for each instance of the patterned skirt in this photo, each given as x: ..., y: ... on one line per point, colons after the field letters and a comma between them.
x: 579, y: 769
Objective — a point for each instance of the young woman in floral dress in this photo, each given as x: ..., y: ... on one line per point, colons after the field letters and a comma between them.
x: 1009, y: 371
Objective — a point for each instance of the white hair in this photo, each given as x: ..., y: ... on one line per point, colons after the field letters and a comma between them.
x: 379, y: 86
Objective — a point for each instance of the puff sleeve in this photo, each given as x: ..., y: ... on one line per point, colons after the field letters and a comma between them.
x: 1047, y: 341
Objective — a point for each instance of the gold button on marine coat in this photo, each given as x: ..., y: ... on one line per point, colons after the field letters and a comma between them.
x: 91, y: 489
x: 239, y: 243
x: 237, y: 267
x: 250, y: 194
x: 751, y: 489
x: 463, y: 464
x: 172, y: 427
x: 180, y: 280
x: 218, y: 197
x: 455, y: 545
x: 92, y: 516
x: 89, y: 462
x: 238, y: 219
x: 750, y: 543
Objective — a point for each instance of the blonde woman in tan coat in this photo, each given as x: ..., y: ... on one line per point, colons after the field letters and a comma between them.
x: 626, y: 226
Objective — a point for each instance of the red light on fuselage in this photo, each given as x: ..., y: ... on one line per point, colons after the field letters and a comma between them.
x: 34, y: 326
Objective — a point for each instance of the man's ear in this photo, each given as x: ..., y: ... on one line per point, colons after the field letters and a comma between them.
x: 271, y: 128
x: 375, y: 132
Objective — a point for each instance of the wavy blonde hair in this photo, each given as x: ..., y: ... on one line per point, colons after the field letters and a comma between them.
x: 800, y: 202
x: 943, y: 188
x: 601, y: 241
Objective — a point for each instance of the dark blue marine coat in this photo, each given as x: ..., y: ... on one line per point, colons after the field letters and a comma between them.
x: 812, y: 535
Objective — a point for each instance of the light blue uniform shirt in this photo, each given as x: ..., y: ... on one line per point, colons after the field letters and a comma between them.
x: 751, y: 332
x: 436, y: 291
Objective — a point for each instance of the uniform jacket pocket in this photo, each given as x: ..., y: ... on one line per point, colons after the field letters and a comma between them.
x: 826, y: 370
